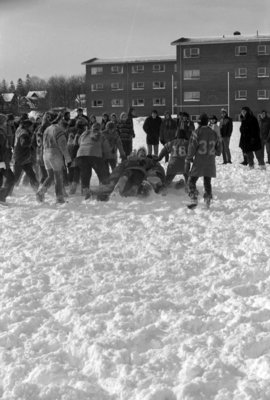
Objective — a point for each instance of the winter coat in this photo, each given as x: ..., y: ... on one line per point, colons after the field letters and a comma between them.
x: 177, y: 149
x: 265, y: 129
x: 187, y: 127
x: 250, y: 139
x: 89, y: 146
x: 151, y: 127
x: 23, y: 153
x: 204, y: 146
x: 4, y: 147
x: 115, y: 144
x: 55, y: 143
x: 226, y: 126
x: 125, y: 130
x: 167, y: 130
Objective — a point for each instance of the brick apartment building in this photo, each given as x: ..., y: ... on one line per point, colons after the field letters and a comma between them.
x: 145, y: 83
x: 230, y: 72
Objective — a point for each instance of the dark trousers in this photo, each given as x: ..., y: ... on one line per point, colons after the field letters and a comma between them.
x: 28, y: 169
x: 226, y: 154
x: 74, y: 174
x: 127, y: 146
x: 42, y: 173
x: 193, y: 192
x: 259, y: 156
x: 8, y: 179
x: 89, y: 163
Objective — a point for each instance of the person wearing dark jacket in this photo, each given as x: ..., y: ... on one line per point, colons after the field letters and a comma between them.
x: 250, y: 141
x: 226, y: 128
x: 23, y: 153
x: 6, y: 175
x: 126, y: 132
x: 151, y: 127
x: 186, y: 125
x: 264, y: 122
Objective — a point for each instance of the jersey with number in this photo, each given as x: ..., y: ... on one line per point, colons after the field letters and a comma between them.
x: 178, y: 152
x: 203, y: 148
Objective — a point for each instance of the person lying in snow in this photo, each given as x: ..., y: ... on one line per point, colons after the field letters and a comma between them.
x: 177, y: 148
x: 136, y: 176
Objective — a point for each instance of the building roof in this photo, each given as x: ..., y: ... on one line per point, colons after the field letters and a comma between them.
x: 38, y: 94
x: 8, y: 97
x: 124, y: 60
x: 236, y: 37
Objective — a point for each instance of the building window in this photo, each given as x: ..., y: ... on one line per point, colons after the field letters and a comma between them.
x: 263, y: 72
x: 96, y: 70
x: 175, y: 67
x: 241, y: 50
x: 117, y: 69
x: 97, y: 103
x: 116, y: 86
x: 117, y: 102
x: 263, y: 94
x: 137, y: 85
x: 136, y: 69
x: 241, y: 73
x: 194, y: 117
x: 191, y: 96
x: 159, y: 101
x: 159, y: 85
x: 175, y: 84
x: 241, y: 95
x: 158, y: 68
x: 263, y: 50
x: 192, y: 52
x: 138, y: 102
x: 95, y: 87
x: 191, y: 74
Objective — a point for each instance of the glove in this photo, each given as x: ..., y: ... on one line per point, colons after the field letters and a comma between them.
x: 187, y: 167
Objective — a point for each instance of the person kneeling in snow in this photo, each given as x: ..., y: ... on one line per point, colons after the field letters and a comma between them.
x: 204, y: 146
x: 177, y: 148
x: 137, y: 176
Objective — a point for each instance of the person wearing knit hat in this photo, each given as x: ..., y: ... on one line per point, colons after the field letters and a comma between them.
x: 6, y: 175
x: 204, y: 146
x: 115, y: 145
x: 151, y: 127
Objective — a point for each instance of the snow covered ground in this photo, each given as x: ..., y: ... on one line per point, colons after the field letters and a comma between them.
x: 138, y: 299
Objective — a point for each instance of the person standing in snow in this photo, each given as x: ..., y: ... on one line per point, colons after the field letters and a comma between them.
x: 204, y: 146
x: 186, y: 125
x: 167, y: 130
x: 264, y: 122
x: 250, y: 140
x: 126, y: 132
x: 115, y: 144
x: 226, y: 128
x: 151, y: 127
x: 55, y: 152
x: 23, y: 153
x: 213, y: 124
x: 6, y: 175
x: 91, y: 155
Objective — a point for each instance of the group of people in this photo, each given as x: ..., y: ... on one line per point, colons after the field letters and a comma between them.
x: 58, y: 149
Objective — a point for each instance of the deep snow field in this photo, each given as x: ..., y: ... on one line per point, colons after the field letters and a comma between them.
x: 136, y: 299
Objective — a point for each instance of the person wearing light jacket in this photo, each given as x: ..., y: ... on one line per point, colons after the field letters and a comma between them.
x: 93, y: 150
x: 55, y: 152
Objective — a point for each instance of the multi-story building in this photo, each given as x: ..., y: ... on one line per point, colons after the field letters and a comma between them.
x: 228, y: 71
x: 144, y: 83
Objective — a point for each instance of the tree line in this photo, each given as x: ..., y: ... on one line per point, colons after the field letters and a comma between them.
x: 61, y: 91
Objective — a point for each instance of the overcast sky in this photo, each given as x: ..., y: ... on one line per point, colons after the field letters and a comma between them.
x: 53, y: 37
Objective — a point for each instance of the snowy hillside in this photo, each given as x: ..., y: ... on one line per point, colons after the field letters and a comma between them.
x: 138, y: 299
